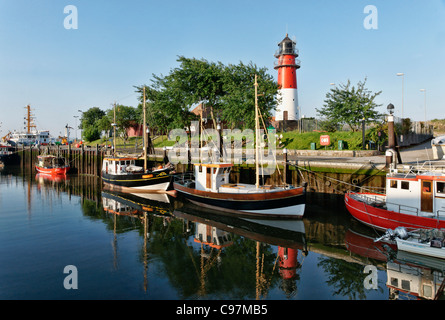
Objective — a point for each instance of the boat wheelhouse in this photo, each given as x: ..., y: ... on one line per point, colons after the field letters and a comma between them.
x: 49, y: 164
x: 209, y: 187
x: 122, y: 174
x: 413, y: 200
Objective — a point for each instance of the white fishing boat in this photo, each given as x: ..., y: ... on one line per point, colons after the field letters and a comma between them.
x: 427, y: 242
x: 209, y: 187
x: 121, y: 173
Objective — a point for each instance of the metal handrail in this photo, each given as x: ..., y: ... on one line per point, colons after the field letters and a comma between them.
x: 369, y: 200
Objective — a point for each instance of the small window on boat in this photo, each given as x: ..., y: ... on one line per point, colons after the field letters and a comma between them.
x: 200, y: 168
x: 394, y: 282
x: 441, y: 187
x: 406, y: 285
x: 393, y: 184
x: 405, y: 185
x: 426, y: 186
x: 427, y: 291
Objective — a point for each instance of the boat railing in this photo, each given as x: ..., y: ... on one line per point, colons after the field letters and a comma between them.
x: 376, y: 200
x: 183, y: 177
x: 430, y: 166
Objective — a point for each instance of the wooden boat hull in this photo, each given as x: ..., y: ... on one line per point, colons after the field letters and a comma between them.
x: 289, y: 203
x: 138, y: 182
x: 53, y: 171
x: 383, y: 219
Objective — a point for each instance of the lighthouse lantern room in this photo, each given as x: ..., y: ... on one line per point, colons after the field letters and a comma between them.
x: 287, y: 65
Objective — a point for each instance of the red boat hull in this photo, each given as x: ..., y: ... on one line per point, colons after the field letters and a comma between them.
x: 53, y: 171
x: 383, y: 219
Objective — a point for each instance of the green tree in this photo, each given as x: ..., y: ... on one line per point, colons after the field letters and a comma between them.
x: 238, y: 103
x: 227, y: 90
x: 91, y: 133
x: 350, y: 105
x: 125, y: 117
x: 90, y: 117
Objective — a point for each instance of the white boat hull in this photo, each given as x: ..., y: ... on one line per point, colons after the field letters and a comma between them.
x: 420, y: 248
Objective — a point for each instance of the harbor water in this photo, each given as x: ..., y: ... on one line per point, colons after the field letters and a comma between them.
x: 68, y: 239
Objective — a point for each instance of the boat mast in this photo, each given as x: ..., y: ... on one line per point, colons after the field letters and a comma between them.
x: 144, y: 134
x: 29, y: 123
x: 114, y: 129
x: 257, y: 127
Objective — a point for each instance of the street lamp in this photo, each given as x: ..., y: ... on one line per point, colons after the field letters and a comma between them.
x: 76, y: 128
x: 75, y: 125
x: 400, y: 74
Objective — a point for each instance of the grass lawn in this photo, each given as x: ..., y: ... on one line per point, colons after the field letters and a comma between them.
x: 292, y: 140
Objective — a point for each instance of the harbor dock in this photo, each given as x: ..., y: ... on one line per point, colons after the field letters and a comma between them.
x: 325, y: 171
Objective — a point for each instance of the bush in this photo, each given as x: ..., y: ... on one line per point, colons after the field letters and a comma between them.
x: 90, y: 133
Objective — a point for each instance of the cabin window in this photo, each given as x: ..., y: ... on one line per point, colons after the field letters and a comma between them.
x: 441, y: 187
x: 406, y: 285
x: 200, y: 168
x: 395, y: 282
x: 405, y: 185
x: 427, y: 291
x: 426, y: 186
x: 393, y: 184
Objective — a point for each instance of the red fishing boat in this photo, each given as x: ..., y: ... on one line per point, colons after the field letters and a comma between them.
x: 49, y: 164
x: 413, y: 200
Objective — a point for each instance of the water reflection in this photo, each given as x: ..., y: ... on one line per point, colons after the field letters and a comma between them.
x: 409, y: 276
x: 196, y: 253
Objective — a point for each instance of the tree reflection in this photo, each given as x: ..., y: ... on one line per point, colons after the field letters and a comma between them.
x: 346, y: 278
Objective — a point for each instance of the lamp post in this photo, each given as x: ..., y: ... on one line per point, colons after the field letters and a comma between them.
x: 391, y: 143
x: 363, y: 134
x: 400, y: 74
x: 75, y: 125
x: 81, y: 122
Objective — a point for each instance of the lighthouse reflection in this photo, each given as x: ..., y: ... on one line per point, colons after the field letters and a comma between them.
x: 272, y: 247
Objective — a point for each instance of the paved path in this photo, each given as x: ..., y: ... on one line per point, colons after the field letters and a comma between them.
x: 412, y: 155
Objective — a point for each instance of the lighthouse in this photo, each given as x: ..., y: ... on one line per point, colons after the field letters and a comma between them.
x: 287, y: 65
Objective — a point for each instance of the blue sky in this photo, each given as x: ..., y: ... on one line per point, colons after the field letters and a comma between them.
x: 120, y: 44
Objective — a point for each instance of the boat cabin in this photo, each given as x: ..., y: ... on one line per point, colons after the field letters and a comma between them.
x: 120, y: 166
x: 422, y: 195
x: 211, y: 176
x: 212, y: 236
x: 50, y: 161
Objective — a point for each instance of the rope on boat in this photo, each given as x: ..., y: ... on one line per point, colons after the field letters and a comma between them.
x: 337, y: 181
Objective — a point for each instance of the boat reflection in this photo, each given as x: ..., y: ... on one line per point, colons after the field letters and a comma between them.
x: 217, y: 231
x: 42, y: 178
x: 129, y: 204
x: 409, y: 276
x: 212, y: 241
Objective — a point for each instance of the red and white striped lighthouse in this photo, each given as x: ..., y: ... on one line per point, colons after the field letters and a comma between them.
x: 287, y: 65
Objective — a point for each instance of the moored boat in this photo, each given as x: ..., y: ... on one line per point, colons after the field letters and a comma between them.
x: 210, y: 187
x: 413, y: 200
x: 8, y: 154
x: 427, y: 242
x: 122, y: 174
x: 49, y: 164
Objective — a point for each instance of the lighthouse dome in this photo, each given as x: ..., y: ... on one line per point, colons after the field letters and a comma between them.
x: 286, y: 47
